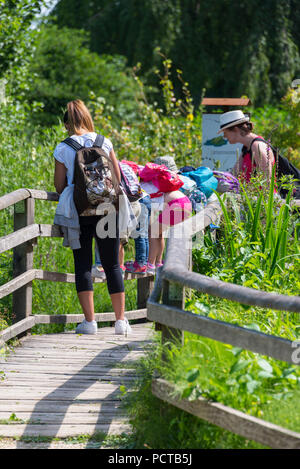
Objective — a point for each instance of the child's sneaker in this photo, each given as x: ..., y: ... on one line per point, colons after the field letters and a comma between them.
x: 87, y: 327
x: 123, y: 269
x: 98, y: 271
x: 160, y: 264
x: 136, y: 268
x: 122, y: 327
x: 150, y: 268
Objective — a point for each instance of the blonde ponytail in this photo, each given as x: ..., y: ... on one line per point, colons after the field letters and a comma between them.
x: 78, y: 117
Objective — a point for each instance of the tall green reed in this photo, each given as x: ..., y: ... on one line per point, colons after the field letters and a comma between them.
x: 265, y: 220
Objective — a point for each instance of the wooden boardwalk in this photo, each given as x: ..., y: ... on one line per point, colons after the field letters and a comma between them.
x: 60, y: 385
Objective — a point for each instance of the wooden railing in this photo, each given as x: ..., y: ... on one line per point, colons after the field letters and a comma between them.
x: 22, y: 240
x: 166, y: 308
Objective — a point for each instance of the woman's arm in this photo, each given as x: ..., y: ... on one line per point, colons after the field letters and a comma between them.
x: 115, y: 165
x: 263, y: 157
x: 60, y: 177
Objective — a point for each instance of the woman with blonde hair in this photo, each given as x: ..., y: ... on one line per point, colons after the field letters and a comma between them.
x: 80, y: 127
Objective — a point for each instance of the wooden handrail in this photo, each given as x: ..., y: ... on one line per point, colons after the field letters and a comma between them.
x: 22, y: 194
x: 230, y: 291
x: 13, y: 198
x: 28, y: 233
x: 237, y: 336
x: 171, y: 318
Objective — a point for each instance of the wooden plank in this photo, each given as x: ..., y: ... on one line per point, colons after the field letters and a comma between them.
x: 74, y: 382
x: 66, y: 393
x: 44, y: 347
x: 226, y: 101
x: 65, y: 418
x: 19, y: 237
x: 86, y: 406
x: 82, y: 340
x: 17, y: 282
x: 115, y: 427
x: 230, y: 419
x: 75, y: 363
x: 76, y: 318
x: 12, y: 377
x: 65, y: 371
x: 258, y: 342
x: 89, y: 355
x: 295, y: 202
x: 43, y: 195
x: 106, y: 348
x: 13, y: 197
x: 50, y: 231
x: 103, y: 333
x: 17, y: 329
x: 55, y: 276
x: 70, y: 278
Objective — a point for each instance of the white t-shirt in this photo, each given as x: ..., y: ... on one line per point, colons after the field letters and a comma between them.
x: 66, y: 155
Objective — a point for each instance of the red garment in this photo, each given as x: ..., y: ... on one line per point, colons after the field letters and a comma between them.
x: 161, y: 177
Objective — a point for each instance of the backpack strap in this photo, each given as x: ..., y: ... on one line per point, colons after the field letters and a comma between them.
x: 258, y: 139
x: 75, y: 145
x: 99, y: 141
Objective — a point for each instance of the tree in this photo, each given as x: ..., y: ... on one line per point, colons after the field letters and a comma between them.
x: 63, y: 69
x: 16, y: 16
x: 229, y: 47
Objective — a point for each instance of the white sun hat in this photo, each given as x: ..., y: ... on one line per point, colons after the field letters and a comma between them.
x: 232, y: 118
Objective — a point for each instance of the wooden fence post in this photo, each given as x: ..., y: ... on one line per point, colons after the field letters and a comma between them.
x: 173, y: 295
x: 144, y: 288
x: 23, y: 260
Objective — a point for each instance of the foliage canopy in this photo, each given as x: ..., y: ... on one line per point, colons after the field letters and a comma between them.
x: 230, y: 48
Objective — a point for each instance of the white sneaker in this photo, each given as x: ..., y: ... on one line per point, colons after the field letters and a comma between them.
x: 98, y: 271
x: 87, y: 327
x: 122, y: 327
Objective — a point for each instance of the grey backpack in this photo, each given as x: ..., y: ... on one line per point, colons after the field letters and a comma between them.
x: 94, y: 179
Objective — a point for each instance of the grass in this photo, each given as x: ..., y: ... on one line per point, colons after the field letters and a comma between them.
x: 157, y: 425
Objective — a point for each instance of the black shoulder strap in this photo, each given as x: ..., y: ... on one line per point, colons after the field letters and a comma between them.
x: 99, y: 141
x: 258, y: 139
x: 75, y: 145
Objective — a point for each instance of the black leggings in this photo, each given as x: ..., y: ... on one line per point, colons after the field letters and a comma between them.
x: 109, y: 254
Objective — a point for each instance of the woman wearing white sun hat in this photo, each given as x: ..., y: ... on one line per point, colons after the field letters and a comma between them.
x: 256, y: 153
